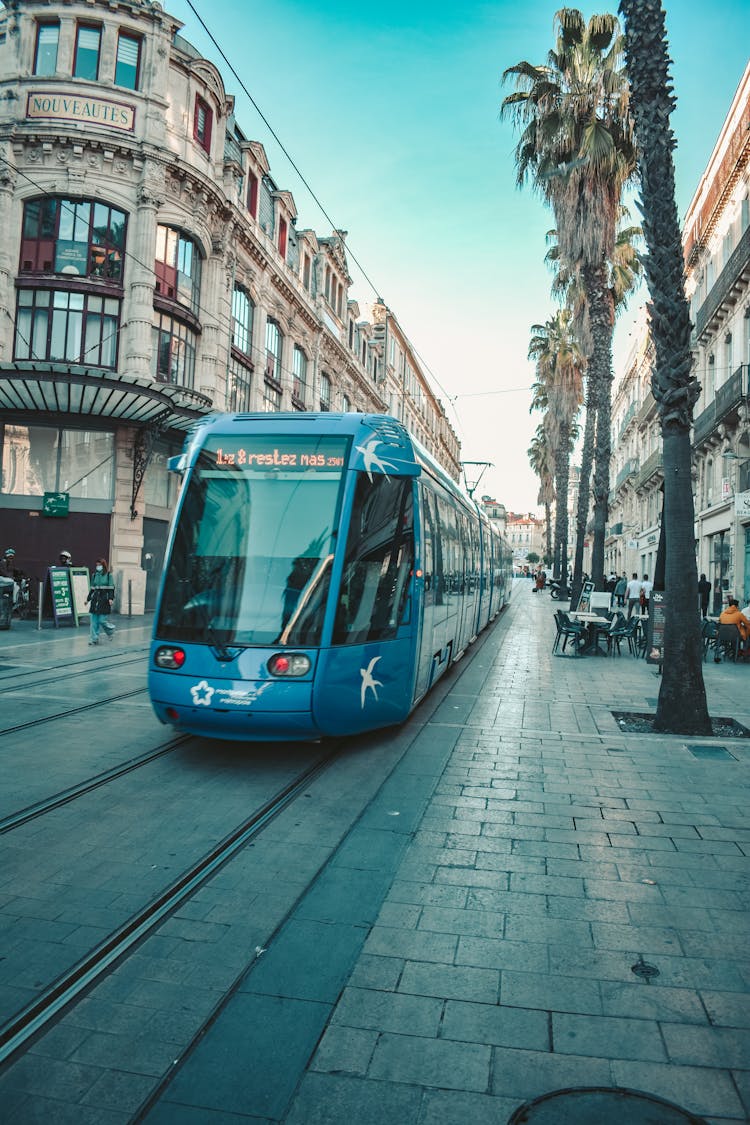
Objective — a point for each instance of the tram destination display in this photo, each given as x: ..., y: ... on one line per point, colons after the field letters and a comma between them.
x: 262, y: 454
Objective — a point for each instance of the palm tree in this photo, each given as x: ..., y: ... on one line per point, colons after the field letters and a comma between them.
x: 682, y: 707
x: 577, y: 148
x: 624, y: 276
x: 558, y: 391
x: 542, y: 463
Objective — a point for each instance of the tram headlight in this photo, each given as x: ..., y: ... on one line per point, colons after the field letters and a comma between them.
x: 289, y: 664
x: 169, y: 657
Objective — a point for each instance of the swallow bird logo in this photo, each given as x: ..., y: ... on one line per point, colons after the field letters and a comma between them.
x: 371, y: 459
x: 368, y: 680
x: 202, y: 694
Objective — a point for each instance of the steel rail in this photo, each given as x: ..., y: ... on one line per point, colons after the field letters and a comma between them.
x: 30, y: 1020
x: 31, y: 812
x: 71, y: 711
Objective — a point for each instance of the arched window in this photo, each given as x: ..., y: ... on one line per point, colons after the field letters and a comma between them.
x: 173, y: 354
x: 74, y: 237
x: 325, y: 392
x: 242, y: 321
x: 272, y: 375
x: 299, y: 378
x: 346, y: 404
x: 177, y: 268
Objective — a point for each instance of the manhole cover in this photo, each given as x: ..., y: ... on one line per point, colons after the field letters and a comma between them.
x: 596, y: 1105
x: 719, y: 752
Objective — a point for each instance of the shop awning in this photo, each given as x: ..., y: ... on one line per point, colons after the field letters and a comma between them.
x: 45, y: 388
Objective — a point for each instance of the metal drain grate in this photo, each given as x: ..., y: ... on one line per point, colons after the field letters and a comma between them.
x: 717, y: 753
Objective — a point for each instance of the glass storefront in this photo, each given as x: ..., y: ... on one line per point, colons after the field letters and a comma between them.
x: 39, y: 459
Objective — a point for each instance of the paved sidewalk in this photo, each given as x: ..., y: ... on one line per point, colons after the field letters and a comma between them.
x: 471, y: 944
x: 551, y: 855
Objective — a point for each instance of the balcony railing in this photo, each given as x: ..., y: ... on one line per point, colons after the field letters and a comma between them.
x: 629, y: 415
x: 650, y: 466
x: 722, y: 290
x: 728, y: 397
x: 649, y: 403
x: 626, y: 471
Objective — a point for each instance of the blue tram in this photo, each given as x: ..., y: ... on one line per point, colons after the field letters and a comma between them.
x: 322, y: 573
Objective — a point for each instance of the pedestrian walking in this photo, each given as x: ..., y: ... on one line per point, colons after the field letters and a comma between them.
x: 634, y: 594
x: 620, y: 590
x: 646, y: 588
x: 704, y: 590
x: 100, y: 597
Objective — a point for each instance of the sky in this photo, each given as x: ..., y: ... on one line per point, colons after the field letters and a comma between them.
x: 391, y: 114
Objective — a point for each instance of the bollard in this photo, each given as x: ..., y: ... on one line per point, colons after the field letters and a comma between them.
x: 39, y: 606
x: 130, y: 597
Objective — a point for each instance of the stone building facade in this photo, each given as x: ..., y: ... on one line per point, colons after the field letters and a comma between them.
x: 151, y: 271
x: 717, y: 282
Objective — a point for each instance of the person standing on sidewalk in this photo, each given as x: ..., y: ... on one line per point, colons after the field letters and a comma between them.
x: 704, y: 589
x: 634, y: 595
x: 101, y: 596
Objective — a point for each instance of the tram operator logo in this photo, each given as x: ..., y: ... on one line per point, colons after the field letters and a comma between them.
x: 202, y: 694
x: 368, y: 681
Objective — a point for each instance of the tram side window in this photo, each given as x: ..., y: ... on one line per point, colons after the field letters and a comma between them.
x: 450, y: 540
x: 429, y: 536
x: 378, y: 563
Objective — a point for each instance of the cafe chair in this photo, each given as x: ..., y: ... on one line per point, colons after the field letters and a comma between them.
x: 626, y: 632
x: 709, y: 635
x: 567, y: 629
x: 728, y: 642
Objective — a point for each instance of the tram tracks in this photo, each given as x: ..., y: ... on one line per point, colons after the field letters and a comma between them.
x: 39, y: 808
x: 88, y: 666
x: 90, y: 706
x: 71, y: 984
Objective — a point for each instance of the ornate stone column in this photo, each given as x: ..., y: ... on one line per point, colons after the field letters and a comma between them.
x: 7, y: 265
x: 136, y: 339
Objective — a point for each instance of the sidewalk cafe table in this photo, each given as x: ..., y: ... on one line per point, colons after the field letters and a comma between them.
x: 596, y: 627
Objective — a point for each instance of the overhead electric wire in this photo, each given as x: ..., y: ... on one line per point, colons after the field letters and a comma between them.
x: 280, y: 143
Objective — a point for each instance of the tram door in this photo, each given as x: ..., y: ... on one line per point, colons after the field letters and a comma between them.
x: 152, y: 557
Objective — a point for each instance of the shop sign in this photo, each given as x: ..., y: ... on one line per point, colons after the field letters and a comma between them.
x: 726, y: 488
x: 74, y: 107
x: 742, y: 504
x: 55, y: 504
x: 71, y: 257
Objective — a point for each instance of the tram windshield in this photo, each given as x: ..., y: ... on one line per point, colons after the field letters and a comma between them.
x: 251, y: 558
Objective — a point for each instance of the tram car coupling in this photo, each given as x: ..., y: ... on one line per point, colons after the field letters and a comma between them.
x: 322, y: 573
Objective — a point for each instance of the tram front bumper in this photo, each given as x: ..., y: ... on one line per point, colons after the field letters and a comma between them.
x: 234, y: 709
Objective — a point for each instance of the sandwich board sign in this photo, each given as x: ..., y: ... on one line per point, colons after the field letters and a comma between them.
x: 62, y: 595
x: 584, y: 602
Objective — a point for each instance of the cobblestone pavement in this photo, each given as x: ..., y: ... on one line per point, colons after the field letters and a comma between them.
x: 472, y: 943
x: 553, y: 854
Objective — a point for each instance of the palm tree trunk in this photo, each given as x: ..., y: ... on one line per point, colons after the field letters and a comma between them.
x: 602, y: 319
x: 562, y: 473
x: 582, y: 508
x: 682, y: 707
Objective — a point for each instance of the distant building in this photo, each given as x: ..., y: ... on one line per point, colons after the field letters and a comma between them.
x: 525, y: 534
x: 716, y: 241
